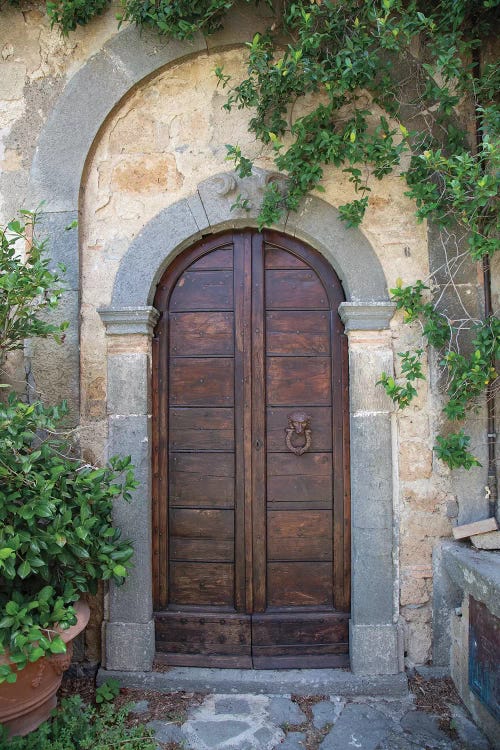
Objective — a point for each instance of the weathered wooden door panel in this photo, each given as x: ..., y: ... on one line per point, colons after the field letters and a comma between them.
x: 251, y: 509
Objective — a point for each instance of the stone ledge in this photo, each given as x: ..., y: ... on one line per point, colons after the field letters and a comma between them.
x: 374, y: 316
x: 263, y: 681
x: 121, y: 321
x: 475, y: 572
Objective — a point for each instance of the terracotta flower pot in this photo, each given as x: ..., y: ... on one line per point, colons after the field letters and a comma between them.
x: 26, y: 703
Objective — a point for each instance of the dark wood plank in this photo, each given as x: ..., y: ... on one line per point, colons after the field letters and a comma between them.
x: 314, y: 491
x: 295, y: 290
x: 201, y: 333
x: 303, y: 332
x: 214, y: 260
x: 243, y: 417
x: 306, y: 478
x: 201, y: 550
x: 258, y: 448
x: 298, y: 381
x: 201, y: 382
x: 299, y: 584
x: 204, y: 660
x: 202, y: 583
x: 276, y: 257
x: 295, y: 535
x: 307, y: 465
x: 202, y: 479
x: 321, y: 426
x: 206, y: 627
x: 203, y: 290
x: 202, y: 524
x: 299, y: 628
x: 201, y: 429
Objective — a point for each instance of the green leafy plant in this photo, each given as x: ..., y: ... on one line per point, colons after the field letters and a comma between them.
x: 57, y: 539
x: 107, y: 691
x: 68, y: 14
x: 28, y: 288
x: 75, y: 726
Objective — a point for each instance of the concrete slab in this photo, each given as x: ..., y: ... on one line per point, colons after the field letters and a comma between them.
x: 262, y: 681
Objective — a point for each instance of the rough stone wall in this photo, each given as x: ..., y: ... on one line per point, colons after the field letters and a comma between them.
x: 166, y: 137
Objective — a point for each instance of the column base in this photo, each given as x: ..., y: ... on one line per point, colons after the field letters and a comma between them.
x: 376, y: 649
x: 130, y: 646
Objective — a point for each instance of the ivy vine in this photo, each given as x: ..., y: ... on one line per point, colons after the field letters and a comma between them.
x: 335, y: 51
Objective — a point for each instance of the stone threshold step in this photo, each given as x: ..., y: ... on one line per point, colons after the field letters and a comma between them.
x: 263, y: 681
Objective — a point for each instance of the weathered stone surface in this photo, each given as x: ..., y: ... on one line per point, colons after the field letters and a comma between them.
x: 140, y: 707
x: 424, y: 727
x: 129, y: 646
x: 128, y: 384
x: 490, y: 540
x: 231, y: 705
x: 293, y: 741
x: 469, y: 734
x: 12, y: 78
x: 376, y: 649
x: 327, y: 712
x: 359, y: 726
x: 415, y: 460
x: 166, y: 731
x: 285, y: 711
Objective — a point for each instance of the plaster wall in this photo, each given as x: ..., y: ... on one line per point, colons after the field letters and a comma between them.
x: 164, y: 138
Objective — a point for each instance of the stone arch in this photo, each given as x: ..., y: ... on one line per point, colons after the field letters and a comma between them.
x: 130, y: 320
x: 209, y: 210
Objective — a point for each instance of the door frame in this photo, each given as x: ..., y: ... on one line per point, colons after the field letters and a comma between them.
x: 375, y: 635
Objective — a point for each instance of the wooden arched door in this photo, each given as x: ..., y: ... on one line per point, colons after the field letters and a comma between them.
x: 251, y: 494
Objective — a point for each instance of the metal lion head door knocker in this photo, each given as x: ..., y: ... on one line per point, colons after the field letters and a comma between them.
x: 299, y: 423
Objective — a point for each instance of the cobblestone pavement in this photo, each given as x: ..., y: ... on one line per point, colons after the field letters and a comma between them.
x: 266, y: 722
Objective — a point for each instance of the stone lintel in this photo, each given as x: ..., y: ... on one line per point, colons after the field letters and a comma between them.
x: 376, y: 649
x: 120, y: 321
x: 130, y: 646
x: 371, y: 316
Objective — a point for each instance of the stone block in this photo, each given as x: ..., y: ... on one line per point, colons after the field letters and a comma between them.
x: 128, y: 384
x: 130, y: 646
x: 491, y: 540
x: 376, y: 649
x: 132, y: 602
x: 415, y: 460
x: 54, y: 368
x: 70, y: 130
x: 372, y: 576
x: 327, y: 712
x: 142, y: 51
x: 166, y: 731
x: 61, y: 245
x: 285, y: 711
x: 371, y: 476
x: 359, y: 725
x: 366, y: 365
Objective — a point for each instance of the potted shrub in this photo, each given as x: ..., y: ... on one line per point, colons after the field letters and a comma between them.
x: 57, y: 539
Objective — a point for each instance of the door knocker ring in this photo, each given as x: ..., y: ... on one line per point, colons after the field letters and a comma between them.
x: 299, y: 423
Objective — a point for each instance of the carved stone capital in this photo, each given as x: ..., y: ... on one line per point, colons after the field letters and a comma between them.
x: 362, y: 316
x: 120, y: 321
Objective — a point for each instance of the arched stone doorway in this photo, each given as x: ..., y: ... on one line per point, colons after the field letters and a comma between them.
x: 130, y: 321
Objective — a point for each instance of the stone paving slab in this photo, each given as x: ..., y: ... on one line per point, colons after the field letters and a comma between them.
x: 275, y: 722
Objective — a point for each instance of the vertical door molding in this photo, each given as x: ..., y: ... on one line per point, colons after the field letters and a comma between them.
x: 129, y: 626
x: 375, y: 643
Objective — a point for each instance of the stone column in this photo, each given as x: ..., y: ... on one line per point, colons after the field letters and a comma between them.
x: 129, y: 629
x: 375, y: 644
